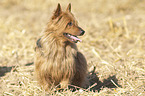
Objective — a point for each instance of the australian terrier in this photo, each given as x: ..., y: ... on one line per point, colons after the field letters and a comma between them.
x: 58, y: 61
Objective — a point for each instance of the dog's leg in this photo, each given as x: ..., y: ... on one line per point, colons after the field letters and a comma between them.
x: 64, y: 84
x: 81, y: 71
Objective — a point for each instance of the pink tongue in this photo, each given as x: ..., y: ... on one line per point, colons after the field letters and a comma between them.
x: 75, y: 38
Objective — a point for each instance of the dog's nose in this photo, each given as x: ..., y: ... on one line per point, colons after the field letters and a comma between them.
x: 81, y: 31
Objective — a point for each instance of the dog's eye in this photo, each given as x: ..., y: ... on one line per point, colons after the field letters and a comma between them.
x: 70, y: 24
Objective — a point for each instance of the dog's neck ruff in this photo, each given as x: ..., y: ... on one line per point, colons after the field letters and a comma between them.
x: 55, y: 46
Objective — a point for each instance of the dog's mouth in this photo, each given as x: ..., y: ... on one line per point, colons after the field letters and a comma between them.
x: 72, y: 38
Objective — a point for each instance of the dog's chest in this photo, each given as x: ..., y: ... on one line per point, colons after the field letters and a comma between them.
x: 63, y: 63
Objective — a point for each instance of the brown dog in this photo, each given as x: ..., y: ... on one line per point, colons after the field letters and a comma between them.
x: 58, y: 61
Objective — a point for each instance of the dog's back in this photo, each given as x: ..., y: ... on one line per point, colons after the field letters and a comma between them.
x: 57, y: 60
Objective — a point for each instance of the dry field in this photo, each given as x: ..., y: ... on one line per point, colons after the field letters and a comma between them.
x: 114, y: 44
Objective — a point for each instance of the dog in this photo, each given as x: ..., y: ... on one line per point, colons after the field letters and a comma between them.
x: 58, y: 61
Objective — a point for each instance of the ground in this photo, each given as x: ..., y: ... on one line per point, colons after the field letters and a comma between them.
x: 114, y: 43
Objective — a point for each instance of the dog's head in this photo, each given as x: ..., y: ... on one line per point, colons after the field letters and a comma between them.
x: 66, y: 25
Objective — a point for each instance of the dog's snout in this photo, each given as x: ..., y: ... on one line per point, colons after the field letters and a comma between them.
x: 81, y: 31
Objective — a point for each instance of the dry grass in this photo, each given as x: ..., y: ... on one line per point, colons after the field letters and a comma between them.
x: 114, y: 43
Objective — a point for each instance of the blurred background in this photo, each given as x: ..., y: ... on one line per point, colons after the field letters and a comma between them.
x: 114, y: 42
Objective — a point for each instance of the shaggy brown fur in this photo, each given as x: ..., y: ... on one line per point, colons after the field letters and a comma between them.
x: 58, y: 61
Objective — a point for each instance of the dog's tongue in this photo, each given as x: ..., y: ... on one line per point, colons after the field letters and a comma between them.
x: 75, y: 38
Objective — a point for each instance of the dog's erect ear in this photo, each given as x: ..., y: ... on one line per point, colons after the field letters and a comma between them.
x: 57, y: 11
x: 69, y: 7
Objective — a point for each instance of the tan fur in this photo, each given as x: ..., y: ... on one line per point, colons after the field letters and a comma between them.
x: 57, y: 59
